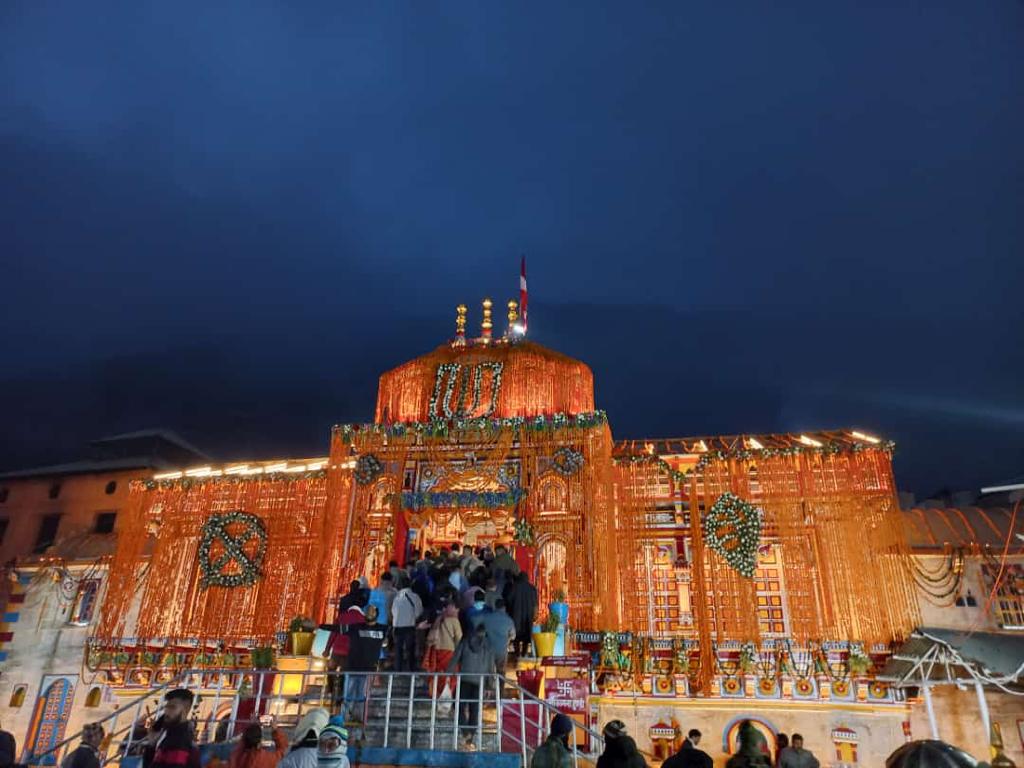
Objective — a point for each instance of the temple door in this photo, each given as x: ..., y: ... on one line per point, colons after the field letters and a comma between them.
x: 53, y: 707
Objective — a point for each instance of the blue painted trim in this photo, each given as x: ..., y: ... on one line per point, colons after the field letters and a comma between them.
x: 380, y: 756
x: 24, y: 579
x: 433, y: 758
x: 10, y: 618
x: 3, y: 655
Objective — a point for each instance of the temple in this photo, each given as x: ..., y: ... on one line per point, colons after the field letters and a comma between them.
x: 709, y: 577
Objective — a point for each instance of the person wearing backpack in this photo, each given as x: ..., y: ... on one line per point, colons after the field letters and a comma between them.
x: 405, y: 615
x: 475, y: 661
x: 442, y: 640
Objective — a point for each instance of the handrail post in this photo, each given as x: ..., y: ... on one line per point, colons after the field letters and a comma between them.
x: 433, y: 692
x: 522, y: 724
x: 540, y: 724
x: 408, y: 722
x: 458, y: 712
x: 575, y: 748
x: 233, y: 717
x: 259, y: 699
x: 497, y: 709
x: 216, y: 706
x: 387, y: 708
x: 131, y: 733
x: 480, y: 712
x: 113, y: 730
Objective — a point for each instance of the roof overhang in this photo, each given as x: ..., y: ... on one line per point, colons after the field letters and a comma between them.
x: 948, y: 657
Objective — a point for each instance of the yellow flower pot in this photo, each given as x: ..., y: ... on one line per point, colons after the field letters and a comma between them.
x: 302, y: 643
x: 544, y: 644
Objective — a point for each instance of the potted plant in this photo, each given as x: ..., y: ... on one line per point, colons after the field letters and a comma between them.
x: 858, y: 663
x: 263, y: 657
x: 748, y: 659
x: 559, y: 607
x: 302, y: 629
x: 544, y: 639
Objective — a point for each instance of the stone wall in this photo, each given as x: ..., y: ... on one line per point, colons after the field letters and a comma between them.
x: 959, y: 720
x: 879, y: 729
x: 79, y: 499
x: 45, y: 648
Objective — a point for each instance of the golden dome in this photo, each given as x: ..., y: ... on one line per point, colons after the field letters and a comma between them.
x: 500, y: 380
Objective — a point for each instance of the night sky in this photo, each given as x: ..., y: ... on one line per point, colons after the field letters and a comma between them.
x: 746, y: 217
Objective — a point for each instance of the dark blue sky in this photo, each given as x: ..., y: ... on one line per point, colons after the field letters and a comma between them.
x: 746, y: 217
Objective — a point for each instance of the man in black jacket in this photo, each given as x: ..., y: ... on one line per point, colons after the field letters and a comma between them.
x: 88, y: 753
x: 521, y: 604
x: 365, y: 641
x: 688, y: 755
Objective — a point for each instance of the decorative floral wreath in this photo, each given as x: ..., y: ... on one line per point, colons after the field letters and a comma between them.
x: 567, y: 461
x: 732, y: 528
x: 216, y: 528
x: 368, y: 469
x: 523, y: 532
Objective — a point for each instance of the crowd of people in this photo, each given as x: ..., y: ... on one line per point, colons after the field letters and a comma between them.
x: 321, y: 741
x: 621, y: 751
x: 458, y: 609
x: 453, y: 610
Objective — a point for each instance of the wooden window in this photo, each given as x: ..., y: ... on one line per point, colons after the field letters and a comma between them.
x: 105, y: 522
x: 17, y: 696
x: 47, y: 532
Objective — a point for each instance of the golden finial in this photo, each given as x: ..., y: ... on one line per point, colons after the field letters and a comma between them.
x: 486, y: 325
x: 460, y: 321
x: 513, y: 316
x: 999, y: 758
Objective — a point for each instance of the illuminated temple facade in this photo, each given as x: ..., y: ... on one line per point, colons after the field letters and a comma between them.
x: 710, y: 578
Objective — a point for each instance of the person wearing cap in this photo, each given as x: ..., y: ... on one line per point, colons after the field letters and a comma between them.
x: 351, y: 616
x: 688, y: 755
x: 332, y: 751
x: 620, y: 751
x: 554, y: 752
x: 87, y: 755
x: 306, y: 740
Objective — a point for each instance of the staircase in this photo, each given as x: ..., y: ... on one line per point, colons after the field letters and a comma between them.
x: 399, y: 713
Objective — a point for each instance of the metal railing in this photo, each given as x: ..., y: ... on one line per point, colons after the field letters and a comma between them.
x: 434, y: 710
x: 424, y: 710
x: 59, y: 750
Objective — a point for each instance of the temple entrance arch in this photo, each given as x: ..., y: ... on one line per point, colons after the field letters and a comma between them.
x: 468, y: 505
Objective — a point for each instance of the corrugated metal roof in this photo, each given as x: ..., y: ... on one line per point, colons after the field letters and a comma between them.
x: 89, y: 467
x: 163, y: 434
x: 948, y: 656
x: 694, y: 445
x: 934, y: 529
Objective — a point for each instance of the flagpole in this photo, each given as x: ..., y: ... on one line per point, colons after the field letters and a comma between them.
x: 523, y: 316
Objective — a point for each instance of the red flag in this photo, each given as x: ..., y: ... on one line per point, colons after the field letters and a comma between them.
x: 522, y: 294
